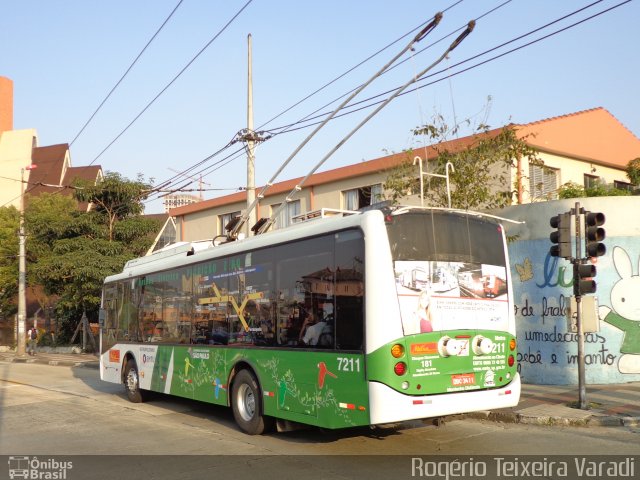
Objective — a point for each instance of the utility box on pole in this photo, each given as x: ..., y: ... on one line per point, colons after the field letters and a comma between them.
x: 589, y: 315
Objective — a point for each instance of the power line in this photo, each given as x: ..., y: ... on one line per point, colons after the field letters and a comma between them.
x: 288, y: 128
x: 172, y: 81
x: 125, y: 73
x: 316, y: 91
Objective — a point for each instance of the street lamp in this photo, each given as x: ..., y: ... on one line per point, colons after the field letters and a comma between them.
x: 22, y: 272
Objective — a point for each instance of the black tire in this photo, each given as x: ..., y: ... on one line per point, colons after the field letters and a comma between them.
x: 132, y: 382
x: 246, y: 402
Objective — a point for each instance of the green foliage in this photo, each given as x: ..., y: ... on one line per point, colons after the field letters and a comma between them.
x: 70, y: 252
x: 114, y: 197
x: 574, y: 190
x: 9, y: 225
x: 481, y: 174
x: 633, y: 171
x: 571, y: 190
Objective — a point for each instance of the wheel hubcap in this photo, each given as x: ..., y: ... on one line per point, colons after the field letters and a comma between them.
x: 132, y: 380
x: 246, y: 402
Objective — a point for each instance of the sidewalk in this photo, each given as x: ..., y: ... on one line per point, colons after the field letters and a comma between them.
x: 612, y: 405
x: 60, y: 359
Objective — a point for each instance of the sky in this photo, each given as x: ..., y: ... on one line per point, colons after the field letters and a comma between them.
x: 65, y: 56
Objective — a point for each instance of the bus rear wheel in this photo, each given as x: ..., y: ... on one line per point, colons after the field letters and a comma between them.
x: 132, y: 382
x: 247, y: 404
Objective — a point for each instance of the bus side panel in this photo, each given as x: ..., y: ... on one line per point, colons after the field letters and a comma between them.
x: 313, y: 387
x: 111, y: 364
x: 382, y: 310
x: 194, y: 372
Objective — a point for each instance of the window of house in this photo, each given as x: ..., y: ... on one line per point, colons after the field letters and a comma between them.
x: 622, y: 185
x: 362, y: 197
x: 591, y: 181
x: 226, y: 218
x: 284, y: 218
x: 543, y: 182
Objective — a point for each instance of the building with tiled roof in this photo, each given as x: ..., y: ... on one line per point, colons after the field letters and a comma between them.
x: 45, y: 169
x: 585, y: 147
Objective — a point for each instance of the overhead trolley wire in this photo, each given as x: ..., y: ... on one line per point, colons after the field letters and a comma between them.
x: 172, y: 81
x: 326, y: 85
x: 351, y: 109
x: 271, y: 220
x: 125, y: 73
x: 302, y: 124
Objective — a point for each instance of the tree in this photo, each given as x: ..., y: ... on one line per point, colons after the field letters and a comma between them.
x: 71, y: 252
x: 114, y: 197
x: 9, y: 224
x: 481, y: 175
x: 633, y: 171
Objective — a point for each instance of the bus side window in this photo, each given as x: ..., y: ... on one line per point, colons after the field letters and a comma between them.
x: 349, y: 290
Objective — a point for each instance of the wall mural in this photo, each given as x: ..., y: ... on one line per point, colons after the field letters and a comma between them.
x: 543, y: 286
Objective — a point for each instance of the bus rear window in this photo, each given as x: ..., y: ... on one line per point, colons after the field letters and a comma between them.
x: 447, y: 237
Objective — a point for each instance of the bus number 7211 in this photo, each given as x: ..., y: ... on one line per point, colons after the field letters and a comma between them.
x: 348, y: 364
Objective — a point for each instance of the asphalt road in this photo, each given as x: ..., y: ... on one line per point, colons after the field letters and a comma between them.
x: 60, y: 411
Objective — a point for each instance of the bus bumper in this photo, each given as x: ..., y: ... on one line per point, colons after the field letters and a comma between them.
x: 389, y: 406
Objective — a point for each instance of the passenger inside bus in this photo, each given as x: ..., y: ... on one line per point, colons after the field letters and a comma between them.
x: 311, y: 329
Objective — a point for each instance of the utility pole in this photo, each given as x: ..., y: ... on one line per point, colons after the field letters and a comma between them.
x: 251, y: 182
x: 22, y: 273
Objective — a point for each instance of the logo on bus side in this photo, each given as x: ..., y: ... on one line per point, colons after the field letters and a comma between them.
x: 424, y: 348
x: 114, y: 356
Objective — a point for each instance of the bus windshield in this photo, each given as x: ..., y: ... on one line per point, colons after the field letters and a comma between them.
x: 450, y: 271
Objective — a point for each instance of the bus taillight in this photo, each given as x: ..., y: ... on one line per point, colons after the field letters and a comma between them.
x: 511, y: 360
x: 397, y: 350
x: 512, y: 344
x: 400, y: 368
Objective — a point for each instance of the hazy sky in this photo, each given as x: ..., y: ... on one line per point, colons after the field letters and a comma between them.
x: 64, y: 56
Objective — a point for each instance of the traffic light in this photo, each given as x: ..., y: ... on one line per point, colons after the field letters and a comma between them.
x: 594, y: 234
x: 583, y: 282
x: 562, y: 236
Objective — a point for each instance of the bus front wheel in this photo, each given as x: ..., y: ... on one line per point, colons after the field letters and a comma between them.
x: 247, y: 404
x: 132, y: 382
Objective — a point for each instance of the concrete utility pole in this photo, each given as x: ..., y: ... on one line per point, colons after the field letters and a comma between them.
x: 251, y: 182
x: 22, y: 273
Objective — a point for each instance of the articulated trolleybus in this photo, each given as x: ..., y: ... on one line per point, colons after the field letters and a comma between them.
x: 317, y: 324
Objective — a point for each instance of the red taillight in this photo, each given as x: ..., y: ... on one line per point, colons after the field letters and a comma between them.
x: 400, y: 368
x: 511, y: 360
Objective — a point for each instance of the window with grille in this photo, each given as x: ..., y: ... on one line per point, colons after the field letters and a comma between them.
x: 543, y: 182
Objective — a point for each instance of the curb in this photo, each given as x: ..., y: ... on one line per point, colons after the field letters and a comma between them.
x: 544, y: 420
x: 59, y: 363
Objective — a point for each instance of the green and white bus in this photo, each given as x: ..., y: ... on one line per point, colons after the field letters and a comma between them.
x: 315, y: 323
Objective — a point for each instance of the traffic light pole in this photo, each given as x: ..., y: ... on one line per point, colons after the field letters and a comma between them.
x: 582, y: 387
x: 584, y: 270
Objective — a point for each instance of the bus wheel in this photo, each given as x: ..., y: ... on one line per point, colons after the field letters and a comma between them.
x: 132, y: 382
x: 247, y: 404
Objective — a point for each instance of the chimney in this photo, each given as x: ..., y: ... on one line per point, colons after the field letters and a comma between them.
x: 6, y: 104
